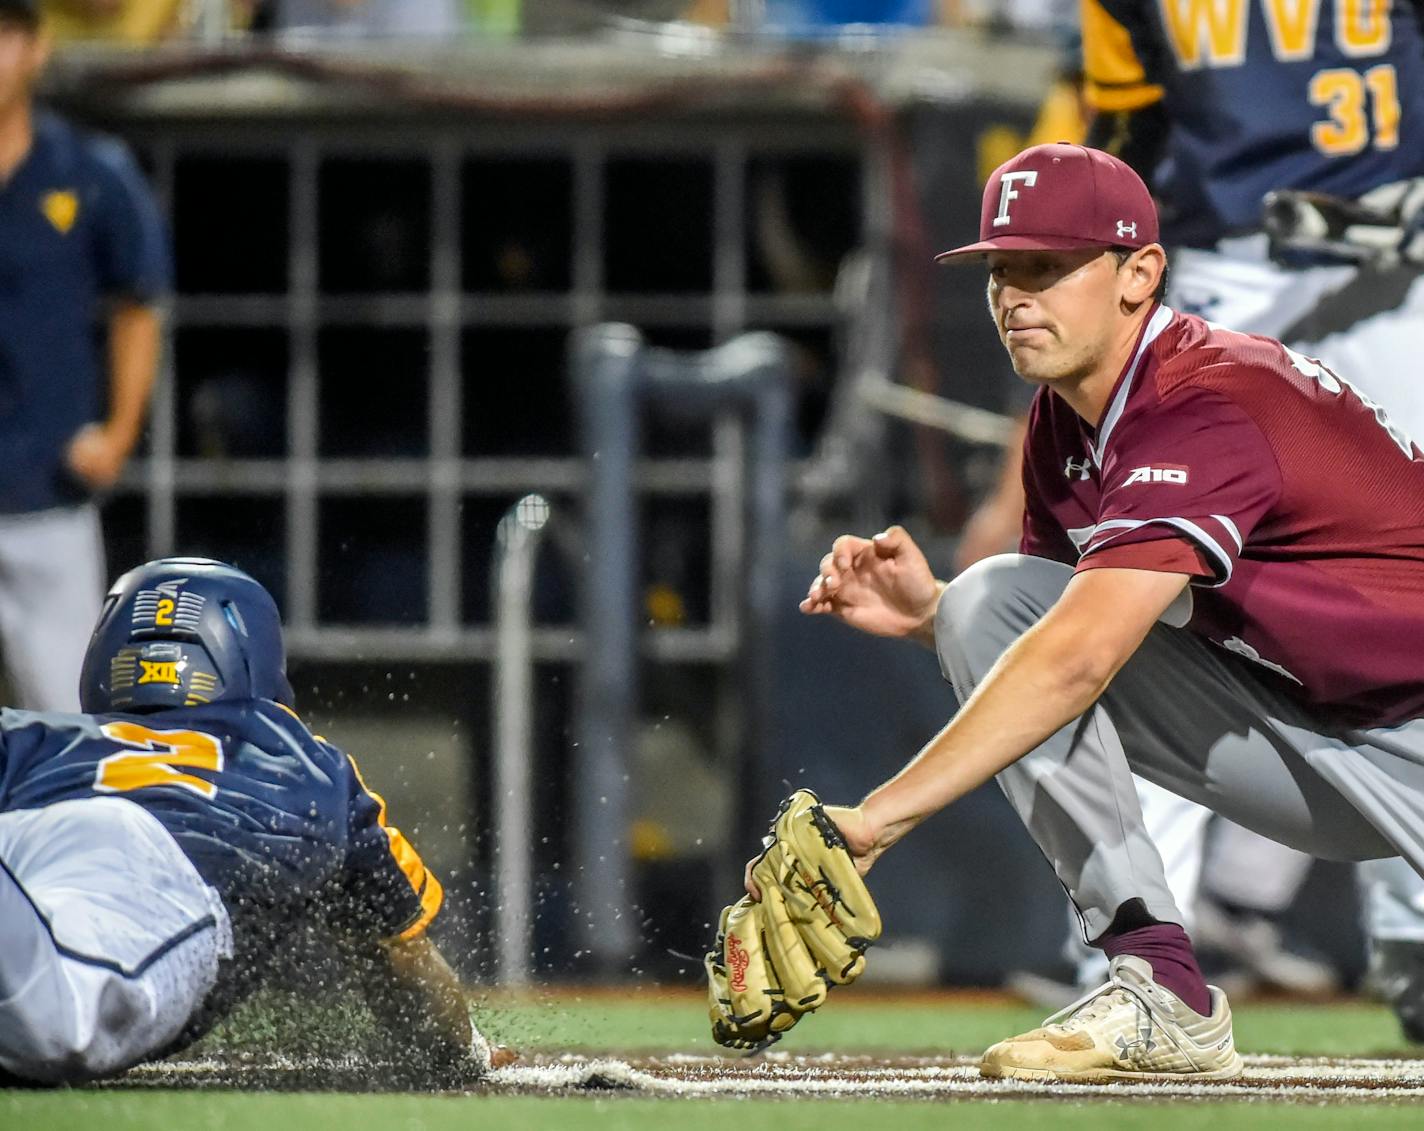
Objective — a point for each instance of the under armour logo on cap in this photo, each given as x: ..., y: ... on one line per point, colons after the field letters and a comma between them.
x: 1126, y: 230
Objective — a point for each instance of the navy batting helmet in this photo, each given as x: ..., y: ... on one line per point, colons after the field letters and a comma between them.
x: 178, y: 632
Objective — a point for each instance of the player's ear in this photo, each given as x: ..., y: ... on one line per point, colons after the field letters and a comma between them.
x: 1141, y: 274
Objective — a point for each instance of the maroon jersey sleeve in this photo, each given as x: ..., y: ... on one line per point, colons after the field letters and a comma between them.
x: 1169, y: 555
x: 1193, y: 469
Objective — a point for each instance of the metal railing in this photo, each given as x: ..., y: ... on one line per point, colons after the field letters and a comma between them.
x: 521, y: 533
x: 745, y: 386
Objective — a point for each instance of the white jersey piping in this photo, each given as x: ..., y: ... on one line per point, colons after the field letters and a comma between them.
x: 1155, y: 326
x: 1187, y: 526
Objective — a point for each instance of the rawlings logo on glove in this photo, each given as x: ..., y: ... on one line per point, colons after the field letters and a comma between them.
x: 737, y: 961
x: 775, y: 961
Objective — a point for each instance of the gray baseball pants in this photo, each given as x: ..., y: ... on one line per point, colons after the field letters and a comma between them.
x: 51, y: 587
x: 1195, y: 720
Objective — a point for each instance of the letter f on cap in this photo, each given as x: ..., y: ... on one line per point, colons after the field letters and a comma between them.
x: 1007, y: 192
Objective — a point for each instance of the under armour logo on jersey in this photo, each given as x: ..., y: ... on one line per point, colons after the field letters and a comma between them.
x: 1126, y: 230
x: 1007, y: 192
x: 1167, y: 473
x: 1083, y: 469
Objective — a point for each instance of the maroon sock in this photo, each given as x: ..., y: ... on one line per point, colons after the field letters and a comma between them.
x: 1169, y: 951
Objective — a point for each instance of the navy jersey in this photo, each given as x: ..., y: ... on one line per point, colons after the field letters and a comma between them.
x: 273, y: 817
x: 77, y: 224
x: 1325, y: 95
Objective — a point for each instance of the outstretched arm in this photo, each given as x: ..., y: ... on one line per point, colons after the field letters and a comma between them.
x: 423, y: 1002
x: 1047, y: 678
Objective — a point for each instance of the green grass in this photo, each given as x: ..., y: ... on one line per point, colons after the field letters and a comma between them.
x: 231, y: 1112
x: 653, y: 1021
x: 861, y: 1024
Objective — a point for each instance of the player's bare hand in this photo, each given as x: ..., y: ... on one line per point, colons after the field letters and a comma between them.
x: 881, y: 585
x: 97, y: 456
x: 862, y: 841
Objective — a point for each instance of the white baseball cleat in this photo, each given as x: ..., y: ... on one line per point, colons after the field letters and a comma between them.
x: 1129, y: 1029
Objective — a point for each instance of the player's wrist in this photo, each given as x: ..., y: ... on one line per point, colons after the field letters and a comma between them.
x: 122, y: 435
x: 924, y: 628
x: 873, y: 826
x: 888, y: 814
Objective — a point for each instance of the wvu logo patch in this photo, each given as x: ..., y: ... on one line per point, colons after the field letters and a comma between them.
x: 1162, y: 473
x: 159, y: 672
x: 61, y: 208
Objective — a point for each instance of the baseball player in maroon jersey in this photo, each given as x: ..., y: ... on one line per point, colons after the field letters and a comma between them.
x: 1220, y: 587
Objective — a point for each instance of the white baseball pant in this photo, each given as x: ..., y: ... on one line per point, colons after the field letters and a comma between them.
x: 109, y: 939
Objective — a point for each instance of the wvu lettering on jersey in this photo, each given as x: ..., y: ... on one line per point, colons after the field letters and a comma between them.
x: 1215, y: 33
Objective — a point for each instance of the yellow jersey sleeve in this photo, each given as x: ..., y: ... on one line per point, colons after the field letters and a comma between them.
x: 1113, y: 75
x: 1060, y: 116
x: 425, y: 895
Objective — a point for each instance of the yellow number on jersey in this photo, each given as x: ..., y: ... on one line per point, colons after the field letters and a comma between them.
x: 154, y: 755
x: 1384, y: 97
x: 1342, y: 92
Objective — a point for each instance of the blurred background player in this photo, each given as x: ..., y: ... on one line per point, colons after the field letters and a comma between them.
x: 1216, y: 111
x: 82, y: 244
x: 157, y: 853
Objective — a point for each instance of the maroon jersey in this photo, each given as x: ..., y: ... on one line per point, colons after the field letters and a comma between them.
x: 1294, y: 503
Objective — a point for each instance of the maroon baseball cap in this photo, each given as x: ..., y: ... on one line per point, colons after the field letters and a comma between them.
x: 1062, y: 197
